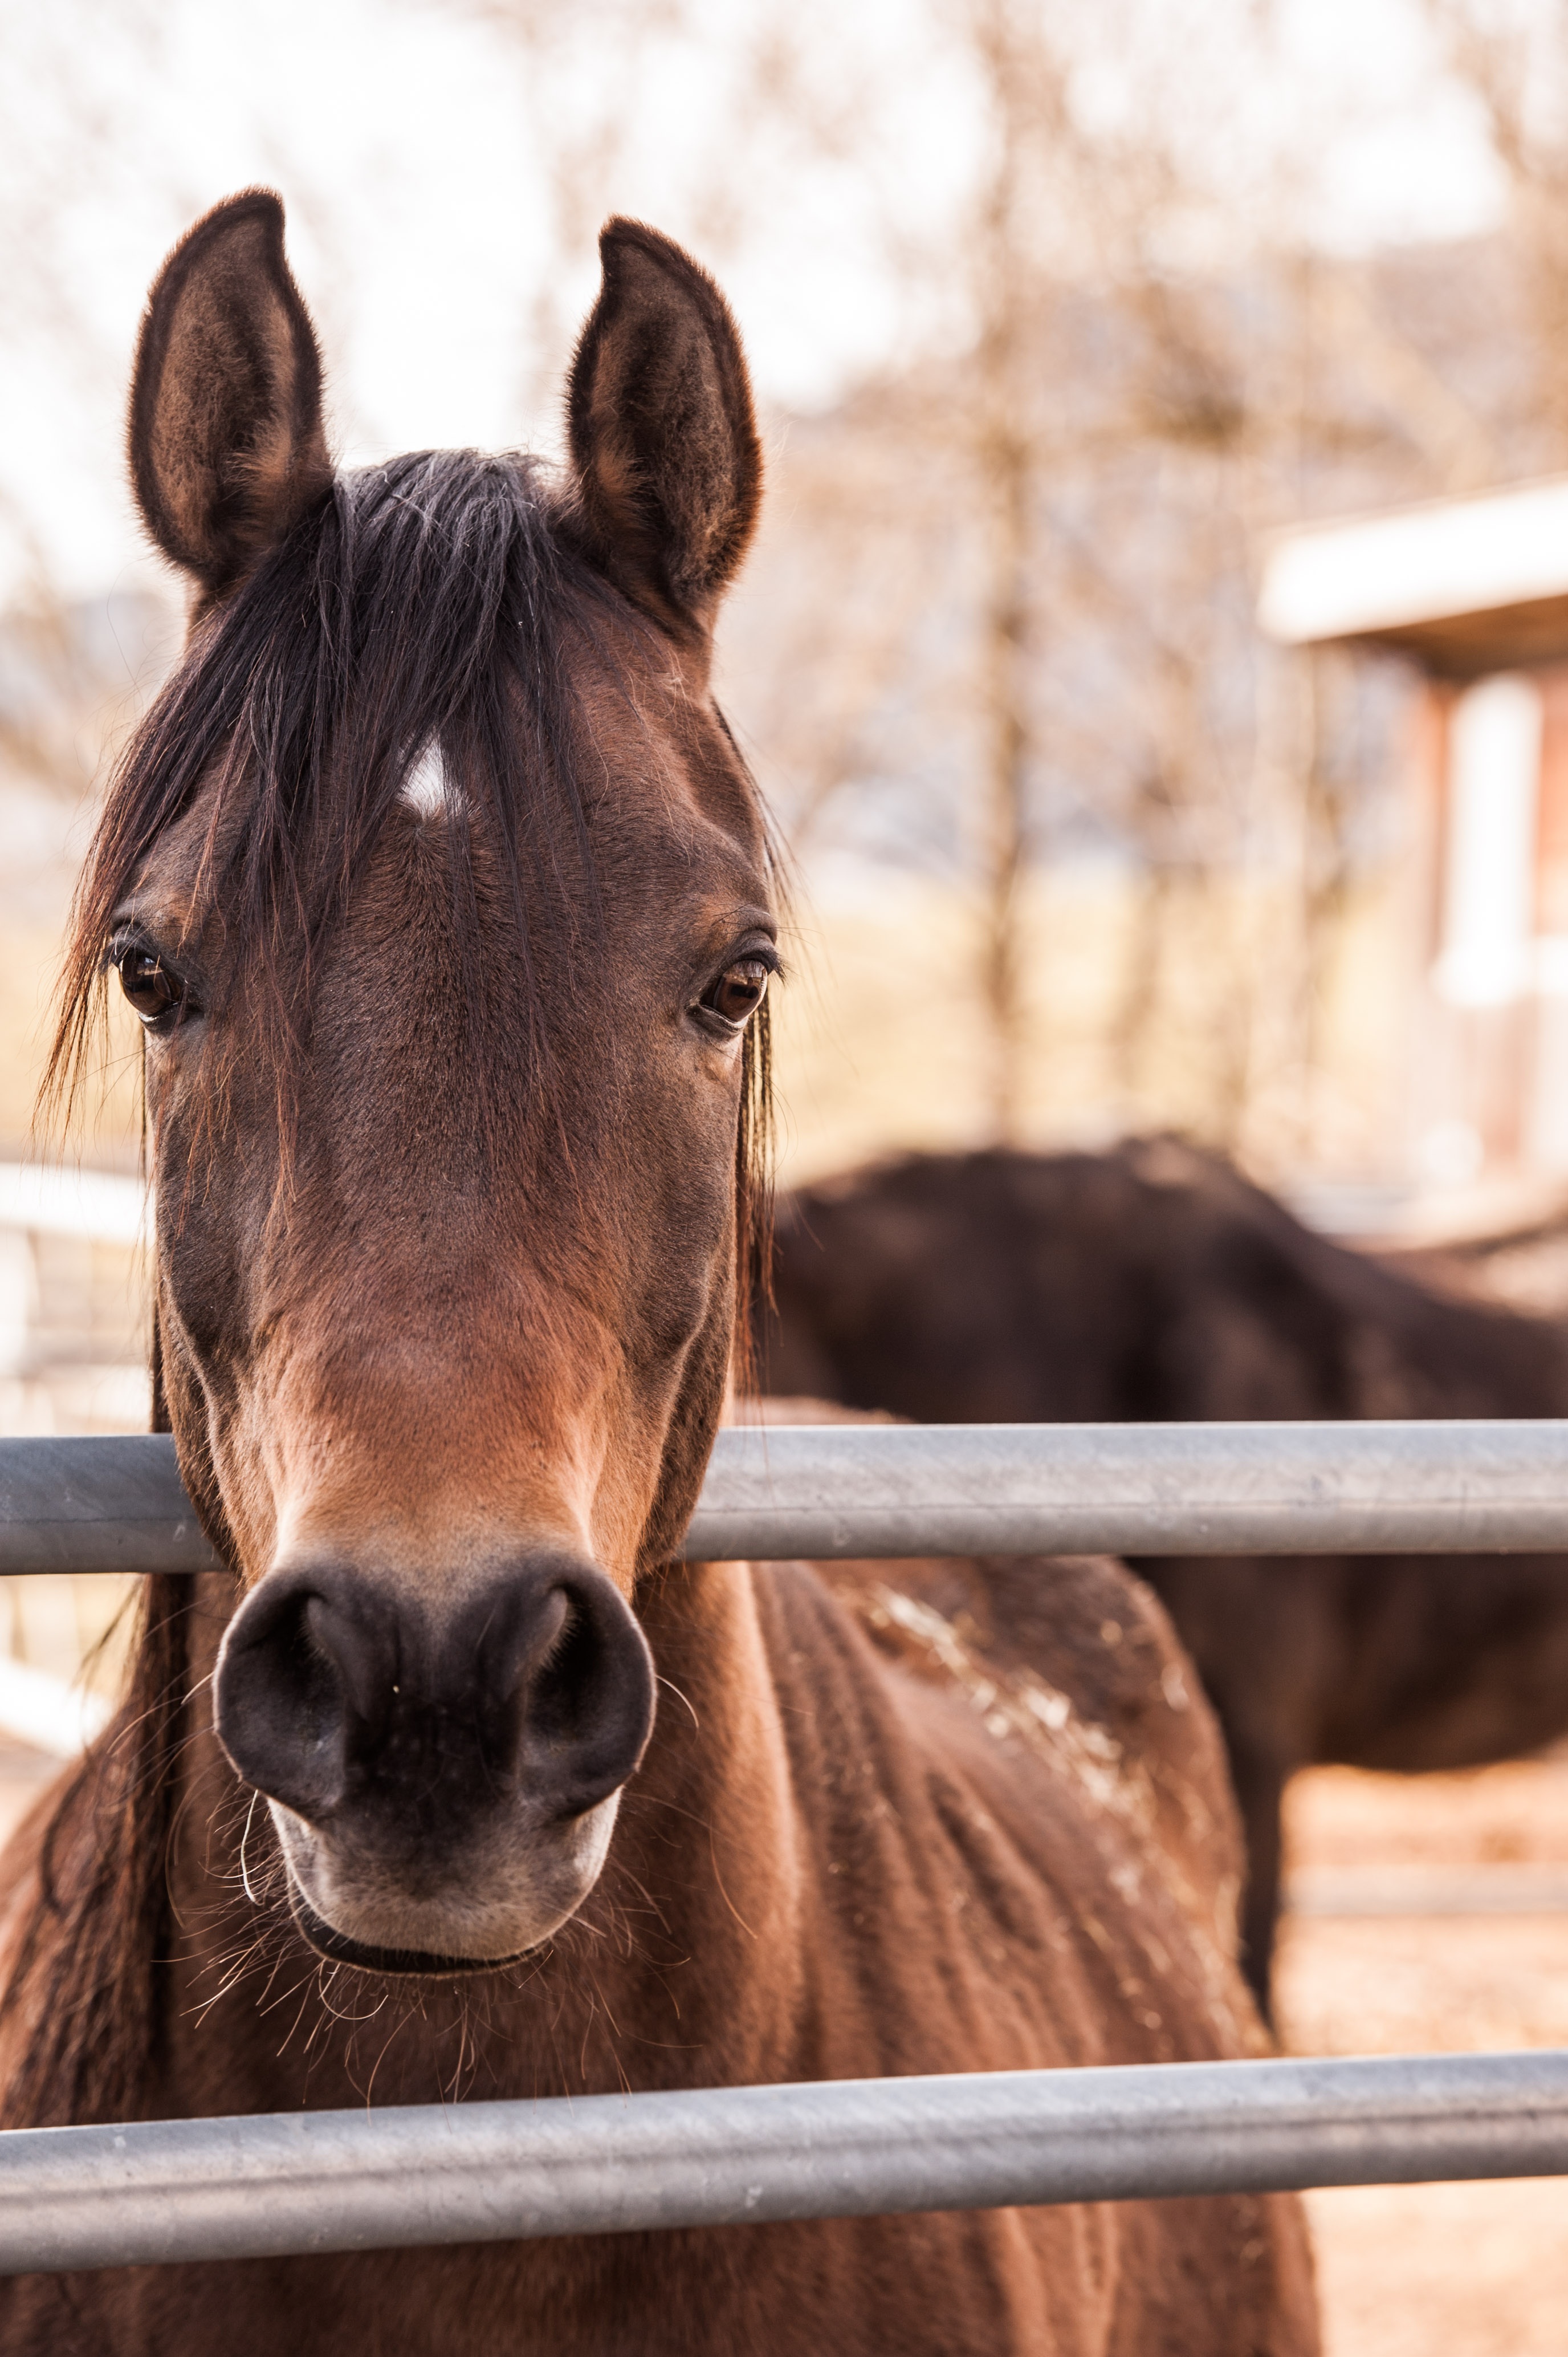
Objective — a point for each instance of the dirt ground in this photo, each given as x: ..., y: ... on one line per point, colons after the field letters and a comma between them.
x: 1413, y: 2270
x: 1433, y: 2270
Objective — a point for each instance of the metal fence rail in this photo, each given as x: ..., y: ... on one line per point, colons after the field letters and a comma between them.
x: 303, y: 2181
x: 1129, y: 1489
x: 273, y: 2184
x: 1439, y: 1486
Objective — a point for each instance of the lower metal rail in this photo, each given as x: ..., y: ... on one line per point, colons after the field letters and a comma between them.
x: 275, y: 2183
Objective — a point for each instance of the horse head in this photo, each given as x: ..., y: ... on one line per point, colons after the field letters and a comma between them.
x: 441, y: 891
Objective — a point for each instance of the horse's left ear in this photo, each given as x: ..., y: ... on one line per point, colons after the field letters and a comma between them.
x: 662, y: 431
x: 226, y: 442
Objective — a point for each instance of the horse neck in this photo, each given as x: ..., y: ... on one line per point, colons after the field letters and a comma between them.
x: 687, y: 1963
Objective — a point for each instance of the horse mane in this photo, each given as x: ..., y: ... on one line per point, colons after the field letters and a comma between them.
x: 433, y: 600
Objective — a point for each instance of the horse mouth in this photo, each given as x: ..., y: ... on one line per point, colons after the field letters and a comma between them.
x: 407, y: 1964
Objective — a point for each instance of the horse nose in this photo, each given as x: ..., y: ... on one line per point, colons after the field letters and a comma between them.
x: 340, y: 1697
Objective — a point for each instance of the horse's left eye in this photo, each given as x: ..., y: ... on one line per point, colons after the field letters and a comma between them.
x: 738, y: 991
x: 156, y: 995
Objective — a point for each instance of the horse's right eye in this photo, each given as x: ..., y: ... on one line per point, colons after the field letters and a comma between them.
x: 156, y: 995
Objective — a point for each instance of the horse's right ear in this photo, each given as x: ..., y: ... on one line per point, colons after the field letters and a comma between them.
x: 664, y: 435
x: 227, y: 443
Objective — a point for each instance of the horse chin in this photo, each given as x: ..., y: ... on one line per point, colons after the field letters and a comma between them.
x: 409, y: 1963
x: 353, y: 1915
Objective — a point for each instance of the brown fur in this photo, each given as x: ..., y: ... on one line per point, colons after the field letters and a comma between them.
x: 438, y: 1274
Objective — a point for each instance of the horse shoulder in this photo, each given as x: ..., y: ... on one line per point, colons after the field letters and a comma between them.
x: 1081, y: 1628
x: 1024, y: 1855
x: 989, y: 1766
x: 1078, y: 1639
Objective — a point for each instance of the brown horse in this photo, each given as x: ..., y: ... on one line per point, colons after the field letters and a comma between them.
x: 443, y: 895
x: 1155, y: 1284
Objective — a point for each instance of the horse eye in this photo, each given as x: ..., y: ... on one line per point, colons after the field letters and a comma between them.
x: 156, y: 995
x: 738, y: 991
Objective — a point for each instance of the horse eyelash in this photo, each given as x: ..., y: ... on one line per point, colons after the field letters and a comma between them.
x: 123, y: 938
x: 764, y: 952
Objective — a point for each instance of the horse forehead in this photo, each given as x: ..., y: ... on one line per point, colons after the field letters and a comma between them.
x: 651, y: 744
x: 656, y: 767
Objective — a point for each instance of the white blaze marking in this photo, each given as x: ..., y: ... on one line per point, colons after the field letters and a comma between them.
x: 425, y: 788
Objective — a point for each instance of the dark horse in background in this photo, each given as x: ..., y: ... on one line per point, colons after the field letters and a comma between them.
x: 1154, y: 1284
x: 443, y: 896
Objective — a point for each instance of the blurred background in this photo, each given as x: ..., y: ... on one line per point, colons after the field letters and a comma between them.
x: 1119, y: 797
x: 1156, y: 649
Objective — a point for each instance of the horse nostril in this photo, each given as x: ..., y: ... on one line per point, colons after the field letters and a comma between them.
x: 560, y: 1694
x: 344, y: 1701
x: 586, y: 1703
x: 290, y: 1673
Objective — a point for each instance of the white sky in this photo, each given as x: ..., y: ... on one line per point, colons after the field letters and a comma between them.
x: 406, y: 139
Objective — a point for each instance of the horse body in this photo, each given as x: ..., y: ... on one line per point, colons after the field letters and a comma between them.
x: 874, y: 1881
x: 1154, y: 1284
x: 443, y: 896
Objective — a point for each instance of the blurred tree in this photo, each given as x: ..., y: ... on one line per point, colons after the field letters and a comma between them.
x: 1002, y: 612
x: 1511, y: 57
x: 1154, y: 376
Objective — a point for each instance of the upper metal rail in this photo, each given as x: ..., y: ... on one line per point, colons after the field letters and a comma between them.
x: 1134, y: 1489
x: 279, y: 2182
x: 819, y: 1490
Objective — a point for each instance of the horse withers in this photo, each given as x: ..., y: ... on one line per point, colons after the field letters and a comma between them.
x: 443, y: 896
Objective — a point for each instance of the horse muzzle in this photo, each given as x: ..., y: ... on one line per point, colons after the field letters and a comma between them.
x: 443, y: 1778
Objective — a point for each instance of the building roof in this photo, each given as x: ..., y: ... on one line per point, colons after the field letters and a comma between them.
x: 1460, y: 585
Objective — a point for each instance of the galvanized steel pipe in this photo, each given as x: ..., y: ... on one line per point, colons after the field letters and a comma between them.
x: 105, y: 1503
x: 1135, y: 1489
x: 1421, y: 1487
x: 304, y: 2181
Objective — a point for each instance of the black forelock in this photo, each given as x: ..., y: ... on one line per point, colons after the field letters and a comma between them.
x: 427, y: 599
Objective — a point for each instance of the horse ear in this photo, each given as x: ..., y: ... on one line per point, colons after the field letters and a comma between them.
x: 226, y: 442
x: 662, y: 431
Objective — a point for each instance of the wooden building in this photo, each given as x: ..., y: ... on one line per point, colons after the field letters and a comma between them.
x: 1474, y: 592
